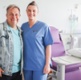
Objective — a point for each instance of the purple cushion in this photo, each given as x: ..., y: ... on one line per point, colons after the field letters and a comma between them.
x: 73, y: 67
x: 57, y: 50
x: 55, y: 34
x: 68, y: 68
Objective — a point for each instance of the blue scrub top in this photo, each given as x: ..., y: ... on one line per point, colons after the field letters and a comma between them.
x: 35, y: 40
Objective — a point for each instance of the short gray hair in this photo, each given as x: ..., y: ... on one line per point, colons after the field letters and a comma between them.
x: 12, y: 6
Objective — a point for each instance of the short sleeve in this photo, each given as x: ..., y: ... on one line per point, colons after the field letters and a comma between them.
x: 48, y: 40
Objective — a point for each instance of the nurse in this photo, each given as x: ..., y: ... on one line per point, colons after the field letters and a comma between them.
x: 37, y: 46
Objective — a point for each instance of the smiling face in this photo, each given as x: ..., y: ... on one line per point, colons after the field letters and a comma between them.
x: 32, y: 12
x: 13, y: 15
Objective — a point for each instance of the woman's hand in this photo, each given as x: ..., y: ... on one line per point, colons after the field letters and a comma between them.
x: 46, y: 69
x: 48, y: 57
x: 1, y: 71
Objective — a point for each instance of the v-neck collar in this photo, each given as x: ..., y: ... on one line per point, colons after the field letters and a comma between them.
x: 33, y: 25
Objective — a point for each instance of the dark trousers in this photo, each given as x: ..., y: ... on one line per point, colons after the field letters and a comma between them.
x: 15, y: 76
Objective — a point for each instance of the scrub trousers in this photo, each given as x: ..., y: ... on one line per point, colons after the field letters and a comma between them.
x: 34, y: 75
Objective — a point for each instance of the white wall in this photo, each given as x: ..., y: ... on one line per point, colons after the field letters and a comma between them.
x: 53, y: 12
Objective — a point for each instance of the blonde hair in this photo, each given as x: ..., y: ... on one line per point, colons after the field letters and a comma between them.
x: 33, y: 3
